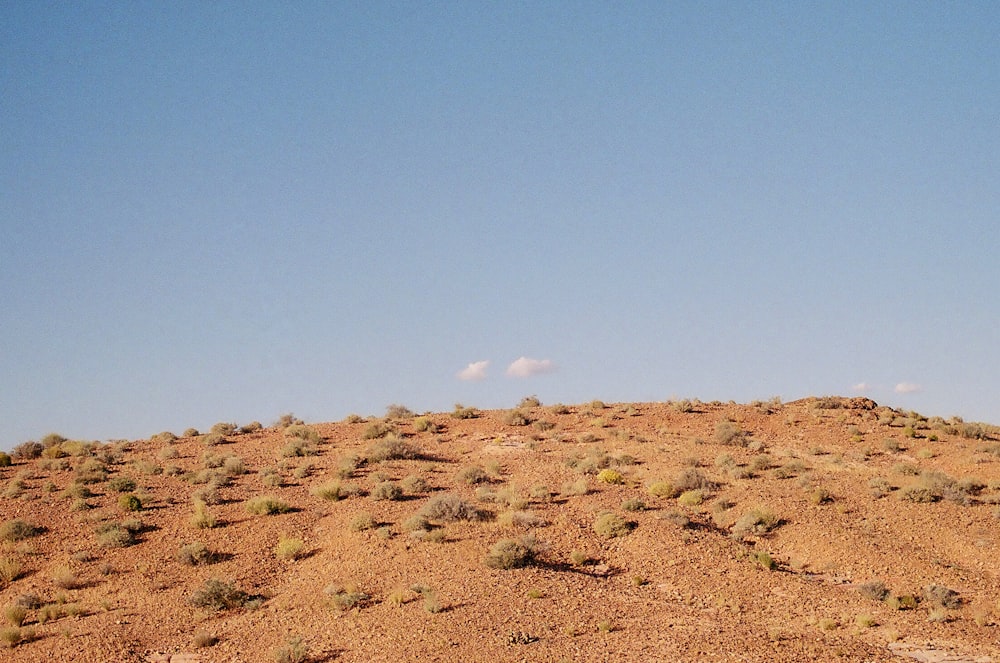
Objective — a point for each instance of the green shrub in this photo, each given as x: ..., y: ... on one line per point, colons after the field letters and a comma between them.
x: 298, y: 447
x: 5, y: 460
x: 511, y: 554
x: 378, y: 430
x: 691, y: 497
x: 424, y: 425
x: 15, y: 615
x: 216, y: 595
x: 764, y: 560
x: 129, y: 502
x: 118, y: 535
x: 10, y: 570
x: 633, y: 504
x: 610, y: 525
x: 266, y: 505
x: 91, y: 471
x: 121, y: 484
x: 303, y: 432
x: 363, y: 521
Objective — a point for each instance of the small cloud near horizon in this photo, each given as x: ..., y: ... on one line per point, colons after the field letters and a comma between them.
x: 524, y: 367
x: 474, y: 371
x: 907, y: 388
x: 861, y: 387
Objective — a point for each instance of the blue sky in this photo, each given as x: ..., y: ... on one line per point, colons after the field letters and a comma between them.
x: 228, y: 211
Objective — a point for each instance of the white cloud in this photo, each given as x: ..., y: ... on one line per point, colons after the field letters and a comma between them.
x: 526, y: 367
x: 907, y: 388
x: 474, y: 371
x: 861, y: 387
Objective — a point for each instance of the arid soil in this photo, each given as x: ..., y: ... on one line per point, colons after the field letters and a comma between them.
x: 822, y: 529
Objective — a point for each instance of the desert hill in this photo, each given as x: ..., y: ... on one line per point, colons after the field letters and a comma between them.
x: 821, y: 529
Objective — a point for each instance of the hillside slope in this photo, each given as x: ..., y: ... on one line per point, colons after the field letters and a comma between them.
x: 823, y: 529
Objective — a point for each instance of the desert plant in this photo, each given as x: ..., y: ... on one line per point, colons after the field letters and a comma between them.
x: 363, y: 521
x: 303, y: 432
x: 5, y: 460
x: 757, y: 522
x: 578, y: 487
x: 729, y: 434
x: 91, y: 471
x: 610, y: 525
x: 252, y: 427
x: 266, y: 505
x: 286, y: 420
x: 345, y: 598
x: 10, y: 570
x: 764, y: 560
x: 203, y: 639
x: 18, y: 530
x: 610, y: 476
x: 691, y: 497
x: 293, y: 651
x: 397, y: 411
x: 64, y: 578
x: 517, y: 418
x: 692, y: 478
x: 663, y: 489
x: 462, y: 412
x: 387, y: 490
x: 27, y: 450
x: 195, y: 554
x: 223, y: 428
x: 424, y: 425
x: 329, y: 491
x: 633, y: 504
x: 129, y: 502
x: 297, y: 447
x: 11, y: 636
x: 392, y: 448
x: 216, y: 595
x: 15, y: 615
x: 512, y: 554
x: 449, y: 507
x: 414, y: 484
x: 942, y: 596
x: 201, y: 518
x: 288, y: 548
x: 473, y: 474
x: 117, y: 535
x: 875, y: 590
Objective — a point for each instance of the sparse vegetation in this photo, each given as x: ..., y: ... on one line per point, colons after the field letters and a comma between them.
x: 266, y: 505
x: 216, y: 595
x: 511, y: 553
x: 449, y: 507
x: 610, y: 525
x: 289, y: 548
x: 195, y: 554
x: 18, y: 530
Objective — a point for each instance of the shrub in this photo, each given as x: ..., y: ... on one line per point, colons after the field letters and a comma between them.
x: 190, y: 432
x: 10, y: 570
x: 252, y: 427
x: 18, y: 530
x: 5, y: 460
x: 195, y: 554
x: 217, y: 595
x: 662, y: 489
x: 288, y: 548
x: 387, y: 490
x: 392, y: 448
x: 729, y: 434
x: 10, y: 637
x: 363, y: 521
x: 511, y: 554
x: 202, y: 518
x: 345, y: 598
x: 329, y: 491
x: 129, y: 503
x: 610, y: 476
x: 223, y: 428
x: 396, y: 411
x: 15, y: 615
x: 610, y: 525
x: 266, y: 505
x: 117, y: 535
x: 27, y: 451
x: 462, y: 412
x: 449, y: 507
x: 757, y: 521
x: 166, y: 437
x: 213, y: 439
x: 691, y: 497
x: 293, y: 651
x: 473, y: 474
x: 414, y: 484
x: 942, y: 596
x: 64, y: 578
x: 633, y: 504
x: 692, y: 479
x: 289, y: 419
x: 424, y: 425
x: 516, y: 418
x: 298, y: 447
x: 578, y: 487
x: 303, y: 432
x: 92, y: 471
x: 875, y: 590
x: 764, y: 560
x: 204, y: 639
x: 918, y: 494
